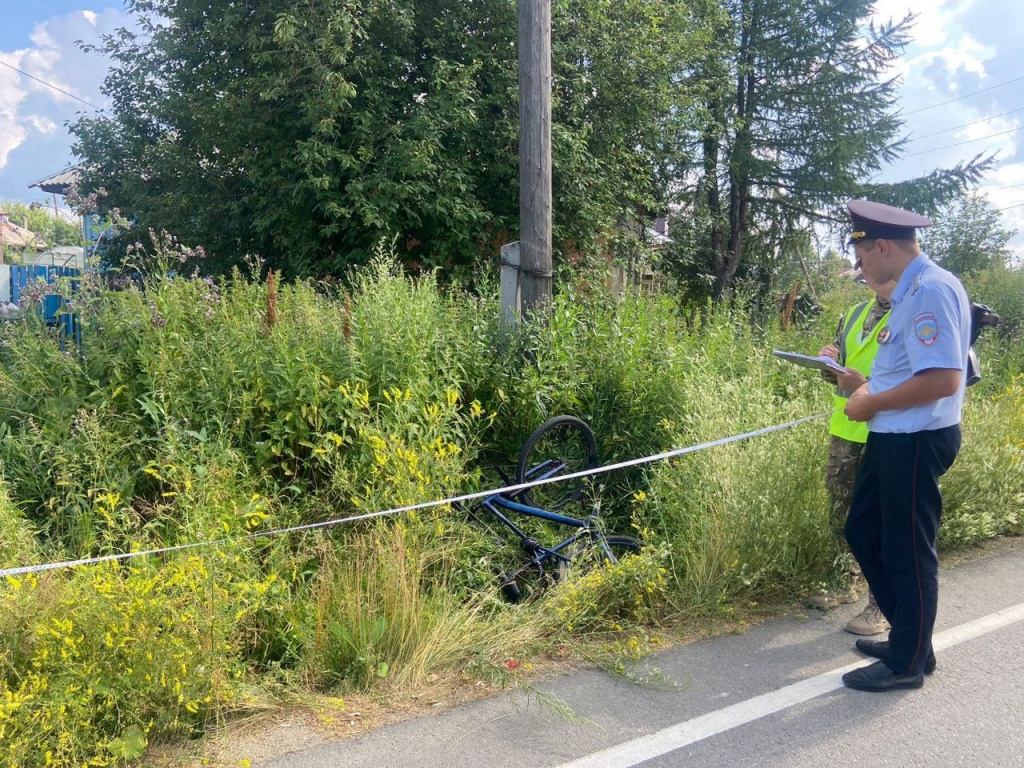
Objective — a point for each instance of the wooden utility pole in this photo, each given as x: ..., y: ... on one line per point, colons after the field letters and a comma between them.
x: 535, y: 154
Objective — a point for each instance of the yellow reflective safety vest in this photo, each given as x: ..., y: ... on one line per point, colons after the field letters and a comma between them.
x: 856, y: 351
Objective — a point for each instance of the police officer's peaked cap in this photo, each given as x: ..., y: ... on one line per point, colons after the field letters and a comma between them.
x: 871, y: 220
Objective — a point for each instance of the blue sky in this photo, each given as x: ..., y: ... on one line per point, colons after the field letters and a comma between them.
x: 963, y: 93
x: 20, y: 17
x: 38, y: 37
x: 962, y: 89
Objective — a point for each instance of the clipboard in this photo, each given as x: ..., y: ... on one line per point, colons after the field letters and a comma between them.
x: 818, y: 363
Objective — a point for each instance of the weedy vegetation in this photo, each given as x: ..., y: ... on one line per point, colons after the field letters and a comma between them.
x: 193, y: 413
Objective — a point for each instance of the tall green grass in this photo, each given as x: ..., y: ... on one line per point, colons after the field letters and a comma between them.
x: 186, y: 416
x: 983, y: 493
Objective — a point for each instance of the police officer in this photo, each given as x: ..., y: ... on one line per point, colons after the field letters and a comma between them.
x: 912, y: 404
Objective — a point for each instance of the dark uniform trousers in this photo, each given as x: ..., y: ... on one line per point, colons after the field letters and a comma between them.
x: 891, y: 529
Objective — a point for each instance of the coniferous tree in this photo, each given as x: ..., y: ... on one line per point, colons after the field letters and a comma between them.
x: 800, y: 110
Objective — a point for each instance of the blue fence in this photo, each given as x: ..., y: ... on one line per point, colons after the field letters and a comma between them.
x: 52, y: 307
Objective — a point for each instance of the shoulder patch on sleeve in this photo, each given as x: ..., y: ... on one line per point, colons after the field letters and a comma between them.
x: 926, y: 328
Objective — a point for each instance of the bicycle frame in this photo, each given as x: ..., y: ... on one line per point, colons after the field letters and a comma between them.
x: 538, y: 553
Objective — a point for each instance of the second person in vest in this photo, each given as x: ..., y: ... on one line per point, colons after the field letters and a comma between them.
x: 854, y: 346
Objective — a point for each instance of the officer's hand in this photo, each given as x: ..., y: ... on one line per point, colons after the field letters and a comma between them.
x: 829, y: 351
x: 851, y: 380
x: 860, y: 406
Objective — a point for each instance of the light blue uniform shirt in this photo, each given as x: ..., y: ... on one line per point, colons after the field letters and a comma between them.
x: 929, y: 327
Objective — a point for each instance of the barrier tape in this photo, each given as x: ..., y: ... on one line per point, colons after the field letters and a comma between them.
x: 414, y: 507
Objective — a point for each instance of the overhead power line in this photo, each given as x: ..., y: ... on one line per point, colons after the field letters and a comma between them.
x: 967, y: 141
x: 966, y: 125
x: 966, y: 95
x: 51, y: 85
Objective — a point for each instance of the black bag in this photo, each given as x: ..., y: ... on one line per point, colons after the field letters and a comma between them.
x: 981, y: 317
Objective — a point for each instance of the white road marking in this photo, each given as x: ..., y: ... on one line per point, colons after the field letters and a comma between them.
x: 691, y: 731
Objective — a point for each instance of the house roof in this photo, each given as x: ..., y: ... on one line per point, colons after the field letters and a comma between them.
x: 19, y: 237
x: 59, y: 183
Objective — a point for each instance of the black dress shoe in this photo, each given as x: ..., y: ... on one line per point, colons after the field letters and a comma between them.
x: 879, y: 649
x: 878, y: 677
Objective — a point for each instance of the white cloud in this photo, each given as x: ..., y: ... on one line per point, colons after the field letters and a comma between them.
x: 11, y: 135
x: 12, y: 132
x: 996, y: 135
x: 1009, y: 175
x: 940, y: 71
x: 958, y: 76
x: 956, y: 53
x: 991, y: 126
x: 41, y: 124
x: 931, y: 29
x: 32, y: 113
x: 1005, y: 190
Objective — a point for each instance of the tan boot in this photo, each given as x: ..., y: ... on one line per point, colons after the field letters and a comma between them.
x: 826, y: 601
x: 868, y: 622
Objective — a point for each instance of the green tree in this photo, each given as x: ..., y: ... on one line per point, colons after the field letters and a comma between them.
x: 1002, y: 288
x: 307, y: 131
x: 799, y: 110
x: 968, y: 236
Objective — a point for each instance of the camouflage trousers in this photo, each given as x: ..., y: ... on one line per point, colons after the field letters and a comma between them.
x: 844, y: 459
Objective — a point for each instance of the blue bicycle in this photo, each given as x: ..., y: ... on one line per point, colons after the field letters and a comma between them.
x: 560, y: 446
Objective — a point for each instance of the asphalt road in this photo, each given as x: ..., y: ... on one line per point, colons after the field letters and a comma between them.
x: 770, y: 697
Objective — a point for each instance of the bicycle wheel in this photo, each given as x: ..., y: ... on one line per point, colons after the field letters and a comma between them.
x: 561, y: 445
x: 590, y: 554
